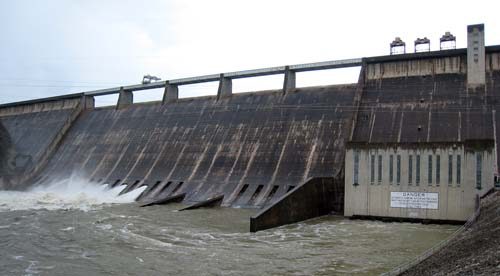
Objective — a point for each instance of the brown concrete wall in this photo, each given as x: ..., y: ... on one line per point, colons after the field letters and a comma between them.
x: 316, y: 197
x: 409, y: 66
x: 456, y: 200
x: 18, y: 109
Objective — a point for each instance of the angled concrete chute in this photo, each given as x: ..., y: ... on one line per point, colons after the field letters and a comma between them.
x: 211, y: 202
x: 316, y: 197
x: 166, y: 200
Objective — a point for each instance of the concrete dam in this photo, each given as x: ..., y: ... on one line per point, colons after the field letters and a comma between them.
x: 421, y: 126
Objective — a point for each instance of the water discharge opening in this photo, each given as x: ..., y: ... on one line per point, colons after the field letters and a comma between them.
x: 271, y: 194
x: 177, y: 187
x: 165, y: 187
x: 135, y: 185
x: 116, y: 183
x: 255, y: 194
x: 156, y: 184
x: 242, y: 191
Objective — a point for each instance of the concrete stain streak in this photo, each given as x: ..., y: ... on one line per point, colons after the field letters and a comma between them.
x: 219, y: 148
x: 176, y: 162
x: 429, y: 121
x: 459, y: 126
x: 494, y: 120
x: 160, y: 153
x: 310, y: 160
x: 122, y: 154
x: 250, y: 162
x: 400, y: 127
x: 283, y: 149
x: 108, y: 155
x: 372, y: 124
x: 139, y: 158
x: 234, y: 163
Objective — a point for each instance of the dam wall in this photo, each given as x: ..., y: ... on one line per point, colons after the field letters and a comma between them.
x: 425, y: 98
x: 250, y: 147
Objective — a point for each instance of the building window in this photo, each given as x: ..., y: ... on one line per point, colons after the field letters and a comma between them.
x: 429, y: 170
x: 356, y: 167
x: 450, y: 169
x: 398, y: 169
x: 459, y: 172
x: 379, y: 172
x: 417, y: 172
x: 438, y: 169
x: 479, y: 166
x: 410, y: 169
x: 391, y: 169
x: 372, y: 169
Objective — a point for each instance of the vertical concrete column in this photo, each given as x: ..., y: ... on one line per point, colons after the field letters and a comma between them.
x: 475, y: 56
x: 289, y: 82
x: 125, y: 98
x: 225, y: 87
x: 88, y: 102
x: 171, y: 93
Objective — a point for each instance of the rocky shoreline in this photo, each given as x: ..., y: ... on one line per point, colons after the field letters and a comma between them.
x: 476, y: 251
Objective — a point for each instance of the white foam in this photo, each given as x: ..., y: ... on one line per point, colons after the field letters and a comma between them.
x: 74, y: 193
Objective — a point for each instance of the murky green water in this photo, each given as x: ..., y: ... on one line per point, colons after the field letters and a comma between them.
x: 124, y: 239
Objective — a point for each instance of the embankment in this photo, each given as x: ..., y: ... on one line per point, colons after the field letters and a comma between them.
x: 473, y: 252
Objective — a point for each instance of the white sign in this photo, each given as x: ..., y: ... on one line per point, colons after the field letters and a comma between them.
x: 415, y: 200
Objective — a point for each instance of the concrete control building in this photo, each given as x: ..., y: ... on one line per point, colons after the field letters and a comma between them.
x: 430, y: 161
x: 438, y: 181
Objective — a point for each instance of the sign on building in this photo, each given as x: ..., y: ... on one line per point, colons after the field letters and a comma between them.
x: 415, y: 200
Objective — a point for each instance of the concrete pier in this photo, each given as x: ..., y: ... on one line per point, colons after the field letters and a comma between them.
x: 289, y: 81
x: 125, y: 99
x: 475, y: 56
x: 225, y: 87
x: 171, y: 93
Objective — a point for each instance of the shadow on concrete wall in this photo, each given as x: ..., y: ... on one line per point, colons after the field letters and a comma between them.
x: 316, y: 197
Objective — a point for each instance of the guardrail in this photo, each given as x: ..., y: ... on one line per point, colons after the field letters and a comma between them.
x: 333, y: 64
x: 405, y: 266
x: 290, y: 69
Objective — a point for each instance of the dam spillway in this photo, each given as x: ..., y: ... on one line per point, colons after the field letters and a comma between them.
x: 210, y: 146
x: 258, y: 148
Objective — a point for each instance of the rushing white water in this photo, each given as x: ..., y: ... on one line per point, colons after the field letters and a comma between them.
x: 74, y: 193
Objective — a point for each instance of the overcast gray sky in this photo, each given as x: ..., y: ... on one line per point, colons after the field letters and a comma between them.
x: 56, y: 47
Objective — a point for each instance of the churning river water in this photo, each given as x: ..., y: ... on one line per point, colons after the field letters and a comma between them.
x: 79, y: 228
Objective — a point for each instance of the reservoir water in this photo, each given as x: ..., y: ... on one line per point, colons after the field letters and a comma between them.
x: 80, y: 228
